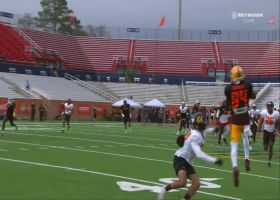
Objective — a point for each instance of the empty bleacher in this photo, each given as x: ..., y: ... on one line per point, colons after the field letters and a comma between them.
x: 272, y: 94
x: 209, y: 93
x: 7, y: 90
x: 12, y: 46
x: 54, y: 88
x: 206, y: 94
x: 256, y: 58
x: 181, y: 58
x: 168, y: 94
x: 68, y: 48
x: 101, y: 51
x: 175, y: 58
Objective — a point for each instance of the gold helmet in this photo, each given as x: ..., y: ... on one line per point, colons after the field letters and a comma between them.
x: 236, y: 74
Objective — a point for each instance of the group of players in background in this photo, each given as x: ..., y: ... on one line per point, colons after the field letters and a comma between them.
x: 67, y: 111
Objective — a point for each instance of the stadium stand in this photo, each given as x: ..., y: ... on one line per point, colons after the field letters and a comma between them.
x: 166, y: 58
x: 68, y: 48
x: 55, y: 88
x: 8, y: 90
x: 256, y: 58
x: 272, y: 94
x: 13, y: 47
x: 101, y: 51
x: 168, y: 94
x: 174, y: 57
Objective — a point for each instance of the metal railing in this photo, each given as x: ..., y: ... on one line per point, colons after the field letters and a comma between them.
x: 91, y: 87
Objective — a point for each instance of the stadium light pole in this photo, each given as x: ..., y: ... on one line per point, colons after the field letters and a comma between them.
x: 179, y: 29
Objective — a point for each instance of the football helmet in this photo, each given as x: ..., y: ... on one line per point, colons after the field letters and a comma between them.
x: 270, y: 106
x: 199, y: 121
x: 236, y: 74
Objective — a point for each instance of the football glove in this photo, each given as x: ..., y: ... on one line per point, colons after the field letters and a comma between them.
x: 219, y: 161
x: 180, y: 140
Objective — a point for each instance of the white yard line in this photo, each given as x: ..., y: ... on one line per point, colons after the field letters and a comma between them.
x: 104, y: 174
x: 4, y: 150
x: 125, y: 144
x: 136, y: 157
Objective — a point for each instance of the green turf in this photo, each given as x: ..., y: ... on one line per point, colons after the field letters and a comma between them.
x: 40, y: 162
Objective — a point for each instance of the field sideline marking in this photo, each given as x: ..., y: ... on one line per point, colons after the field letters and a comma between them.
x: 126, y: 144
x: 104, y: 174
x: 135, y: 157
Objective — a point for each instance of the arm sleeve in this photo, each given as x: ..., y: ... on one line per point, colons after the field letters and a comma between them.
x: 209, y: 131
x: 228, y: 100
x: 200, y: 154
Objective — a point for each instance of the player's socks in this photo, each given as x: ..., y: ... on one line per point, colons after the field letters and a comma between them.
x: 161, y: 194
x: 235, y: 177
x: 247, y: 165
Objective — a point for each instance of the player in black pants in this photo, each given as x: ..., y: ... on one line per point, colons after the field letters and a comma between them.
x: 9, y: 115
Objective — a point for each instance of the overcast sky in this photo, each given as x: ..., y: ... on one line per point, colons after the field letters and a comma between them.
x: 196, y: 14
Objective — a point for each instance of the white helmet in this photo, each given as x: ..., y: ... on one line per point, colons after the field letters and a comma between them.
x: 10, y: 100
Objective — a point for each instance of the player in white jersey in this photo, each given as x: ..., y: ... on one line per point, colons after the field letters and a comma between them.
x: 67, y: 111
x: 184, y: 115
x: 271, y: 119
x: 190, y: 147
x: 254, y: 115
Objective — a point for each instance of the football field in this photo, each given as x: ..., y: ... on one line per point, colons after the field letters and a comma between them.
x: 97, y: 160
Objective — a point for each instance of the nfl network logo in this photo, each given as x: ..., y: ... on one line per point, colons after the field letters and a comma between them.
x: 233, y: 15
x: 246, y: 17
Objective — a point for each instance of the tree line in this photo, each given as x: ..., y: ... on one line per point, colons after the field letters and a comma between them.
x: 56, y: 17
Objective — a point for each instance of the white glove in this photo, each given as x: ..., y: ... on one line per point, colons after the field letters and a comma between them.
x: 122, y: 115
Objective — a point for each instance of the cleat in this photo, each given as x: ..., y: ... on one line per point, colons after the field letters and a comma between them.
x: 225, y: 141
x: 161, y: 194
x: 269, y: 164
x: 247, y: 165
x: 178, y: 133
x: 235, y: 177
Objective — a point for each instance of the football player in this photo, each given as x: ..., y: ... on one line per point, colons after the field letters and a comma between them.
x: 9, y: 115
x: 238, y: 93
x: 223, y: 116
x: 68, y: 110
x: 254, y: 115
x: 126, y: 115
x: 271, y: 119
x: 190, y: 147
x: 184, y: 114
